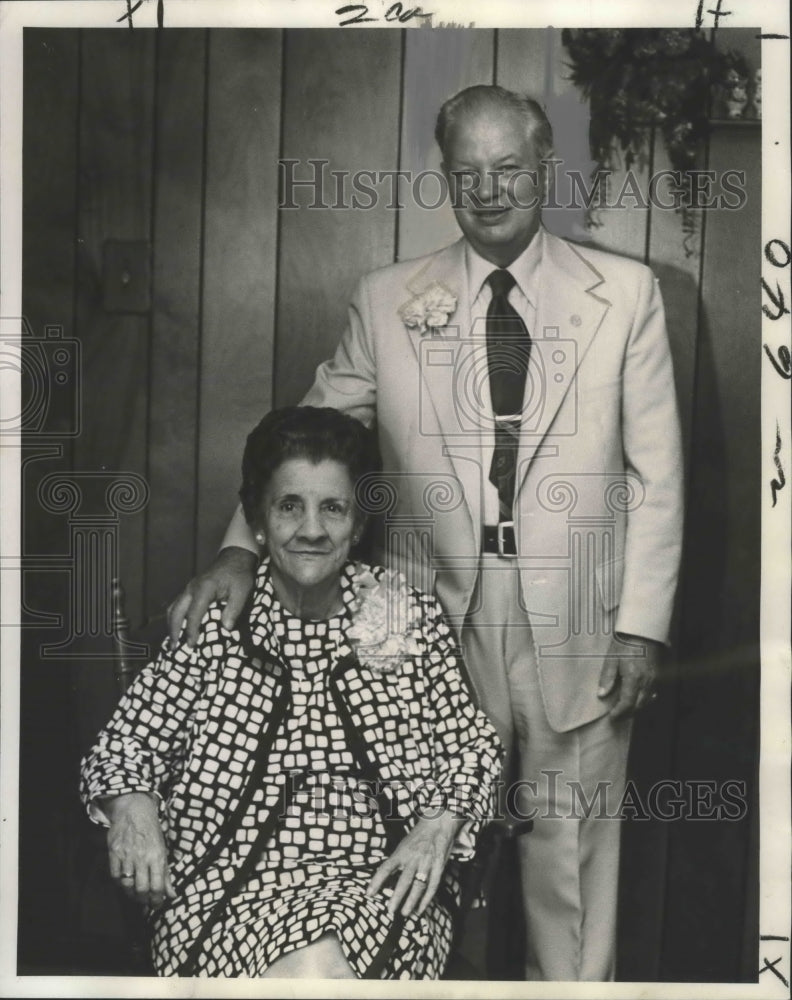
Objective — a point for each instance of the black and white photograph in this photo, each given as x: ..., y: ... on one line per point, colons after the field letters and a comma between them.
x: 396, y: 539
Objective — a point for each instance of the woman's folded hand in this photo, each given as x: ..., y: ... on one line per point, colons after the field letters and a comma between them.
x: 417, y: 863
x: 136, y: 845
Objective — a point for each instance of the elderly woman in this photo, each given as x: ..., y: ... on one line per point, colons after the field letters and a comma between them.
x: 291, y: 798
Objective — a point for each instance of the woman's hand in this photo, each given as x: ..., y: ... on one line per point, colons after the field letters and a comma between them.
x: 138, y: 856
x: 419, y: 859
x: 229, y: 579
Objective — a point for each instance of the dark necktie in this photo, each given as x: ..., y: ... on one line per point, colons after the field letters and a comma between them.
x: 508, y: 351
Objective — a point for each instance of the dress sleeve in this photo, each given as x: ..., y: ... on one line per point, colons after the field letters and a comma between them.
x: 468, y: 755
x: 144, y: 745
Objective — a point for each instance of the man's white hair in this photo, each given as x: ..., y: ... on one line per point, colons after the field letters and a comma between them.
x: 483, y: 96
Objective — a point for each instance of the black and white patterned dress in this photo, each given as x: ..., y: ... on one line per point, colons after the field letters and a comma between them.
x: 286, y: 773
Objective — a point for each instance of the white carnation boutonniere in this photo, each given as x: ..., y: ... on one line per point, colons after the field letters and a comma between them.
x: 430, y: 309
x: 384, y: 620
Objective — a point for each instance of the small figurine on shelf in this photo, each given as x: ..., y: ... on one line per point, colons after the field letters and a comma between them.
x: 734, y: 87
x: 736, y: 94
x: 757, y: 93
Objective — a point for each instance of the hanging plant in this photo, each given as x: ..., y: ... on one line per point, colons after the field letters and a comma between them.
x: 639, y: 79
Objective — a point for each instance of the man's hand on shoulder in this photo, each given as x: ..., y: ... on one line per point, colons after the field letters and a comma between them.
x: 632, y: 674
x: 229, y: 580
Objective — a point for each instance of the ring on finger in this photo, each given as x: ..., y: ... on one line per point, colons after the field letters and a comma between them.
x: 421, y: 877
x: 127, y: 875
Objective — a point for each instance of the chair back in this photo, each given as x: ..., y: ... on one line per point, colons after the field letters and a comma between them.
x: 132, y: 653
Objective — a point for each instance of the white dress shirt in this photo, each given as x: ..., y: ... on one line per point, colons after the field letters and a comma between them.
x: 524, y: 297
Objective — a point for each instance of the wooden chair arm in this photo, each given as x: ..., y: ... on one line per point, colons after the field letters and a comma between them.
x: 509, y: 828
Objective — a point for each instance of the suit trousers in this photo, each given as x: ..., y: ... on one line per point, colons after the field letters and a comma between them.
x: 568, y: 782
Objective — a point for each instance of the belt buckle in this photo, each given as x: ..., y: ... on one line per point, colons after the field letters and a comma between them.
x: 503, y: 541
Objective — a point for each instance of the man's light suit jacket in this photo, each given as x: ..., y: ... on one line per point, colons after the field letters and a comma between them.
x: 598, y: 498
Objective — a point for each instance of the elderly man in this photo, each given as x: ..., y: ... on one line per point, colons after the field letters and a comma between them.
x: 535, y: 378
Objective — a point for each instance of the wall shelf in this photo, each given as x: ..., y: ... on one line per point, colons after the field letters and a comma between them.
x: 739, y: 122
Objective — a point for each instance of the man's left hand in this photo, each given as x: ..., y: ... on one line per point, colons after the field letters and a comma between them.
x: 633, y: 677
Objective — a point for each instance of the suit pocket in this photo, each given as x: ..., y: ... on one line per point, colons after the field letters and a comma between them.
x: 609, y: 580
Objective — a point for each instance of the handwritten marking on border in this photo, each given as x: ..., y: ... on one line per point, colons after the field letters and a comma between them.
x: 776, y: 485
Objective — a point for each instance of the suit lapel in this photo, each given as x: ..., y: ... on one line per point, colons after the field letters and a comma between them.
x: 439, y: 358
x: 570, y: 313
x: 569, y: 316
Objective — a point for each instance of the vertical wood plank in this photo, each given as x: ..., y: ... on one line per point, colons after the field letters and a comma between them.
x: 437, y: 64
x: 50, y: 115
x: 243, y: 126
x: 116, y: 134
x: 726, y: 454
x: 523, y: 64
x: 675, y: 259
x: 329, y: 114
x: 622, y: 228
x: 175, y: 313
x: 46, y: 744
x: 720, y: 609
x: 534, y: 62
x: 50, y: 165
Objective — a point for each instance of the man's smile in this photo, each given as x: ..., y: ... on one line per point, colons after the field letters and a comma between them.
x: 490, y: 215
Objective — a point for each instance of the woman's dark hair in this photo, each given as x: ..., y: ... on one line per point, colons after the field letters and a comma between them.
x: 315, y: 433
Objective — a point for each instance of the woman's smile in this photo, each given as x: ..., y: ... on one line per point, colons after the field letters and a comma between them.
x: 309, y: 519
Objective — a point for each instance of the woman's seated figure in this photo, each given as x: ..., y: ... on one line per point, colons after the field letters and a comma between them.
x: 292, y: 798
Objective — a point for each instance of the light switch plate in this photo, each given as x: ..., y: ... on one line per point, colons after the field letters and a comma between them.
x: 126, y: 276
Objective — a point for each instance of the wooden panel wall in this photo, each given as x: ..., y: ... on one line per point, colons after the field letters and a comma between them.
x: 51, y: 82
x: 174, y: 139
x: 176, y: 310
x: 716, y: 712
x: 238, y: 266
x: 323, y: 251
x: 114, y: 201
x: 676, y: 261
